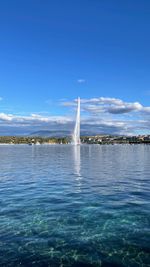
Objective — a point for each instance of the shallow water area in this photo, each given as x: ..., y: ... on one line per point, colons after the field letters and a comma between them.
x: 65, y: 205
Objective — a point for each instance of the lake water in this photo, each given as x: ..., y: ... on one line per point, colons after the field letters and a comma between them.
x: 62, y: 205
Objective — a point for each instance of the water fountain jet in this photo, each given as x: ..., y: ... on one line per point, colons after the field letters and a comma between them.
x: 76, y: 133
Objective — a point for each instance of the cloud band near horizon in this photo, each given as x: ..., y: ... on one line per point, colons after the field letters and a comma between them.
x: 98, y: 116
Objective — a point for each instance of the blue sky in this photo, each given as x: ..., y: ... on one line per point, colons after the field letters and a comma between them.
x: 51, y: 52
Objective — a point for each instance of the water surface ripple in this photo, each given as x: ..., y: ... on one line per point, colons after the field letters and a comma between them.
x: 62, y: 205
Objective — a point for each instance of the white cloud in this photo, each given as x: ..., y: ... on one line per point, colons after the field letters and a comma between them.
x: 81, y: 80
x: 14, y: 124
x: 33, y: 118
x: 6, y: 117
x: 110, y: 105
x: 113, y: 115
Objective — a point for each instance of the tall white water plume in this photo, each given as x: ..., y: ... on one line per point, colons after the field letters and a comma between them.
x: 76, y: 133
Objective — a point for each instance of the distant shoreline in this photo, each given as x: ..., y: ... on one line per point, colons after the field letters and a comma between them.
x: 98, y: 139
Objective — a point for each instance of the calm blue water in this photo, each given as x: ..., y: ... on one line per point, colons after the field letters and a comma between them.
x: 62, y: 205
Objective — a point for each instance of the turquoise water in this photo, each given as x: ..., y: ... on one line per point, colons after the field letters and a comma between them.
x: 62, y: 205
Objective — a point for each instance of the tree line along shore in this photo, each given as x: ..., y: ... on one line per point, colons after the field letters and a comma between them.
x: 32, y: 140
x: 97, y: 139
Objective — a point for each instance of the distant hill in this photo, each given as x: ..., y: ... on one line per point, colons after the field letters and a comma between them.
x: 43, y: 133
